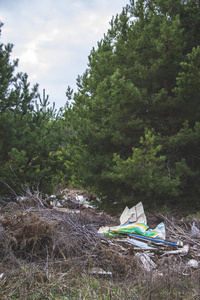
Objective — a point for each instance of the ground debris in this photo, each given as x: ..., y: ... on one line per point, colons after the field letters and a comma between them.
x: 44, y: 242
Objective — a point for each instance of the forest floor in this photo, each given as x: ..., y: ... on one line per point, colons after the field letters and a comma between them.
x: 57, y: 253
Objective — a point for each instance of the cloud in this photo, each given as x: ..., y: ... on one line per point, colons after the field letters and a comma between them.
x: 53, y: 39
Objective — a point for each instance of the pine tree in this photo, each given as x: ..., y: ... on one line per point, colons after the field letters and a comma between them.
x: 130, y: 85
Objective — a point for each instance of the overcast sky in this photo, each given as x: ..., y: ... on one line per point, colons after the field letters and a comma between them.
x: 52, y: 39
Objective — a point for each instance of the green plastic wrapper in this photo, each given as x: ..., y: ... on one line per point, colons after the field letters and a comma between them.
x: 137, y: 228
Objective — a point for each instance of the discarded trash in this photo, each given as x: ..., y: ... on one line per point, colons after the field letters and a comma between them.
x: 140, y: 237
x: 79, y: 198
x: 195, y: 232
x: 193, y: 263
x: 99, y: 271
x: 133, y: 215
x: 147, y: 262
x: 86, y: 204
x: 73, y: 199
x: 1, y: 275
x: 153, y: 240
x: 141, y: 245
x: 135, y: 228
x: 184, y: 251
x: 70, y: 234
x: 137, y: 214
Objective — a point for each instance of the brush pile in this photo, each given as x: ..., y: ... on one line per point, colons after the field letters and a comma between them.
x: 46, y: 251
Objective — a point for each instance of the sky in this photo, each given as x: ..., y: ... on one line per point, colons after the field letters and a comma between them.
x: 53, y: 39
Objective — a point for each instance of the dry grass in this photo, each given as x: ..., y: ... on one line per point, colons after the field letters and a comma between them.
x: 48, y: 254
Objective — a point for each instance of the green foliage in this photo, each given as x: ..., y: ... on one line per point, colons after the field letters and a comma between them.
x: 188, y: 89
x: 131, y: 132
x: 140, y: 87
x: 27, y: 135
x: 147, y: 173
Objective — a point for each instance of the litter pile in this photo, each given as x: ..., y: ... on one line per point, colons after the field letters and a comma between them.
x: 71, y: 199
x: 133, y: 232
x: 63, y: 238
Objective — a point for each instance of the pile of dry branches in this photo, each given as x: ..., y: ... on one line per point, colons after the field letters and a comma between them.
x: 40, y: 245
